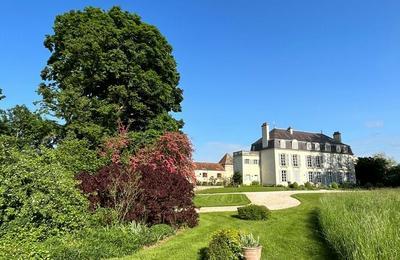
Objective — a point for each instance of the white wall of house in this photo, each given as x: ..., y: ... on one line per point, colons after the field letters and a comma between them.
x: 207, y: 175
x: 248, y: 165
x: 284, y: 166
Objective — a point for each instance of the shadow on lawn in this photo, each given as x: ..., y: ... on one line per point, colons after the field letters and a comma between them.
x: 318, y: 235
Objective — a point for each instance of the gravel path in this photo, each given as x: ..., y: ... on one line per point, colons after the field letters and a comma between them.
x: 273, y: 200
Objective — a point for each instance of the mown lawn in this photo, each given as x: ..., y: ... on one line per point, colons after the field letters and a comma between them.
x: 241, y: 189
x: 289, y: 234
x: 221, y: 200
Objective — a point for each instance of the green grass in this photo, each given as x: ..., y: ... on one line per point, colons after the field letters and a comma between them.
x: 288, y: 234
x: 221, y: 200
x: 241, y: 189
x: 362, y: 225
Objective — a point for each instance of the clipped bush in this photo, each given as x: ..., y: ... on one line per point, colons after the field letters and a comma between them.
x: 334, y: 185
x: 255, y: 183
x: 294, y: 185
x: 253, y: 212
x: 224, y: 244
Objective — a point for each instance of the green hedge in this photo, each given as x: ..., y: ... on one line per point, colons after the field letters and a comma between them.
x: 253, y: 212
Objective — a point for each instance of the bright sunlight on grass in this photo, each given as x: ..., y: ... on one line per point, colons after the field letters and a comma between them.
x: 221, y: 200
x: 255, y: 188
x: 288, y: 234
x: 363, y: 225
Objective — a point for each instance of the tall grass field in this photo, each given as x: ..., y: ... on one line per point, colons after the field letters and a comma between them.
x: 362, y: 225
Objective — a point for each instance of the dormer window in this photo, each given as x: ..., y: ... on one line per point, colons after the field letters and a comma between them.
x: 345, y: 149
x: 327, y: 147
x: 295, y: 144
x: 316, y: 146
x: 338, y: 148
x: 308, y: 146
x: 282, y: 144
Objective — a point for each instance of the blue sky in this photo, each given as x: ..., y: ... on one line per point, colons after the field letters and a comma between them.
x: 313, y: 65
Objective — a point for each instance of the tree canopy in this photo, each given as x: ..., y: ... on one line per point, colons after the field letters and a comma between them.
x: 109, y: 66
x: 1, y: 94
x: 28, y: 128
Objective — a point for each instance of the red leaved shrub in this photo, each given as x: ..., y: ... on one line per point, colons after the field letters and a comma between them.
x: 162, y: 177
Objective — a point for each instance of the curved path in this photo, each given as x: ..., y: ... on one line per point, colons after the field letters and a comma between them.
x: 273, y: 200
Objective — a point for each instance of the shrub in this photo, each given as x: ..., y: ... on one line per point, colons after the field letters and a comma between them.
x: 334, y: 185
x: 154, y: 187
x: 224, y: 244
x: 253, y: 212
x: 247, y: 240
x: 160, y: 231
x: 97, y: 243
x: 237, y: 178
x: 255, y: 183
x: 294, y: 185
x: 309, y: 186
x: 38, y: 197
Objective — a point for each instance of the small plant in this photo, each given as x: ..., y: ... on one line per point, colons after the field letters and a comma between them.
x: 224, y: 244
x: 248, y: 240
x: 253, y: 212
x: 160, y: 231
x: 255, y: 183
x: 294, y: 185
x: 334, y: 185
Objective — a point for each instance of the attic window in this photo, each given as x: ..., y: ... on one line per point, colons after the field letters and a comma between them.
x: 282, y: 144
x: 308, y: 146
x: 338, y: 148
x: 295, y: 144
x: 327, y: 147
x: 316, y: 146
x: 345, y: 149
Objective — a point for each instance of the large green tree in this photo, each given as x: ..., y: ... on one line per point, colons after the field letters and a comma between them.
x: 28, y: 128
x: 107, y: 66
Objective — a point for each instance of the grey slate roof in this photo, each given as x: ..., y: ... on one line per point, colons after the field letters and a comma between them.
x: 300, y: 136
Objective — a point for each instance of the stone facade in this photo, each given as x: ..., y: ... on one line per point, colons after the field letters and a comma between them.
x: 286, y: 156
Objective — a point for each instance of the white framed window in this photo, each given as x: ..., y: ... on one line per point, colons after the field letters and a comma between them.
x: 318, y: 161
x: 340, y: 177
x: 345, y: 149
x: 309, y: 161
x: 310, y: 177
x: 255, y: 161
x: 283, y: 176
x: 318, y: 175
x: 309, y: 146
x: 204, y: 175
x: 338, y: 148
x: 295, y: 144
x: 295, y: 160
x: 247, y: 161
x: 327, y: 147
x: 316, y: 146
x: 283, y: 159
x: 283, y: 144
x: 330, y: 177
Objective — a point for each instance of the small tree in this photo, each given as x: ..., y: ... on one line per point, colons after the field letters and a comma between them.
x: 237, y: 178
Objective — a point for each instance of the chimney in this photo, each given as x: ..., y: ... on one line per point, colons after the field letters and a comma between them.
x: 265, y: 135
x: 337, y: 136
x: 290, y: 130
